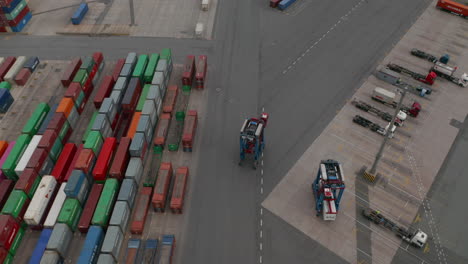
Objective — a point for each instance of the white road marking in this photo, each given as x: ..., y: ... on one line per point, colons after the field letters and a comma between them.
x: 261, y: 233
x: 261, y: 181
x: 261, y: 211
x: 261, y: 246
x: 260, y: 258
x: 262, y: 171
x: 261, y: 190
x: 261, y: 222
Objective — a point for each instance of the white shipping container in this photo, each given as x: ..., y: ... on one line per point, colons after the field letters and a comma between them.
x: 56, y: 207
x: 15, y: 68
x: 199, y: 29
x: 27, y: 154
x: 40, y: 200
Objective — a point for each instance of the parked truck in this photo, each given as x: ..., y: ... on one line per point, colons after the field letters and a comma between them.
x: 384, y: 115
x: 447, y: 72
x: 387, y: 97
x: 167, y: 249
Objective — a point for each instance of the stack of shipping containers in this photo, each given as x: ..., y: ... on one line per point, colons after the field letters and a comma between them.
x: 14, y: 15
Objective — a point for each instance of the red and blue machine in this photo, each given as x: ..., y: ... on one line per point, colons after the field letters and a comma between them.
x: 252, y: 139
x: 328, y: 188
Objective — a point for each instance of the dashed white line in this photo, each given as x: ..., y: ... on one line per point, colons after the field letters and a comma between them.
x: 261, y: 190
x: 262, y: 171
x: 261, y: 246
x: 261, y: 211
x: 261, y: 222
x: 260, y: 259
x: 261, y: 181
x: 261, y: 233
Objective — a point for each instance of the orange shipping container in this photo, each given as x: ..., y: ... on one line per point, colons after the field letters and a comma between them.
x: 141, y: 211
x: 190, y: 126
x: 170, y: 99
x: 161, y: 188
x: 3, y: 146
x: 65, y: 106
x: 178, y: 194
x: 85, y: 161
x: 161, y: 130
x: 133, y: 125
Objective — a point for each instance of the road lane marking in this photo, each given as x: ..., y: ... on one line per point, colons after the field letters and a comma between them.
x: 261, y: 211
x: 260, y: 258
x: 261, y: 190
x: 261, y: 246
x: 261, y: 233
x: 261, y: 222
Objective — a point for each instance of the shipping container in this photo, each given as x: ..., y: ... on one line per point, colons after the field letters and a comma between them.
x: 47, y: 120
x: 141, y: 210
x: 92, y: 245
x: 17, y: 24
x: 120, y: 216
x: 34, y: 122
x: 22, y: 77
x: 16, y: 242
x: 5, y: 66
x: 131, y: 58
x: 40, y: 247
x: 15, y: 68
x: 104, y: 159
x: 117, y: 69
x: 15, y: 154
x: 285, y: 4
x: 70, y: 213
x: 163, y: 68
x: 178, y: 193
x: 5, y: 85
x: 9, y: 227
x: 31, y: 63
x: 38, y: 208
x: 126, y: 71
x: 65, y: 132
x: 159, y: 81
x: 200, y: 74
x: 5, y: 155
x: 88, y: 86
x: 138, y: 146
x: 140, y: 66
x: 86, y: 161
x: 52, y: 143
x: 128, y: 192
x: 120, y: 161
x: 104, y: 90
x: 6, y: 100
x: 51, y: 257
x: 75, y: 92
x: 161, y: 189
x: 151, y: 110
x: 133, y: 254
x: 64, y: 161
x: 170, y: 99
x: 66, y: 106
x: 189, y: 70
x: 60, y: 239
x: 102, y: 125
x: 16, y: 10
x: 112, y: 242
x: 3, y: 147
x: 98, y: 58
x: 145, y: 127
x: 190, y: 127
x: 168, y: 244
x: 5, y: 257
x: 88, y: 128
x: 90, y: 207
x: 79, y: 14
x: 121, y: 84
x: 56, y: 207
x: 5, y: 189
x: 27, y: 154
x: 109, y: 108
x: 106, y: 259
x: 88, y: 64
x: 57, y: 121
x: 40, y: 162
x: 16, y: 205
x: 28, y: 182
x: 81, y: 77
x: 160, y: 134
x: 134, y: 170
x: 130, y: 98
x: 150, y: 250
x: 150, y: 69
x: 142, y: 99
x: 78, y: 186
x: 134, y: 124
x: 70, y: 71
x: 106, y: 203
x: 94, y: 142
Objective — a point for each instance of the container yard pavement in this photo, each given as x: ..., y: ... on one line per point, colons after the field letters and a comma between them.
x: 408, y: 167
x: 147, y: 18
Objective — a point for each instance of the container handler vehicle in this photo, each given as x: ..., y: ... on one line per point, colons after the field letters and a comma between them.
x: 252, y: 139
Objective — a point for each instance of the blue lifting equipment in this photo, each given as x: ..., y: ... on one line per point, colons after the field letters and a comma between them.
x: 252, y: 139
x: 328, y: 188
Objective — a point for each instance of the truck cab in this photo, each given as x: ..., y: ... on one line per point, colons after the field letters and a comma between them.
x: 419, y: 239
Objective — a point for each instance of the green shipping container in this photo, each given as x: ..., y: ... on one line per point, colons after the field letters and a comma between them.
x: 106, y: 203
x: 36, y: 119
x: 142, y: 99
x: 70, y: 213
x: 63, y: 132
x: 150, y: 68
x: 81, y: 76
x: 166, y: 54
x: 17, y: 241
x: 87, y: 64
x: 80, y: 99
x: 140, y: 66
x: 14, y: 204
x: 5, y: 85
x: 34, y: 187
x: 15, y: 12
x: 56, y: 149
x: 94, y: 141
x: 10, y: 163
x: 90, y: 125
x: 8, y: 259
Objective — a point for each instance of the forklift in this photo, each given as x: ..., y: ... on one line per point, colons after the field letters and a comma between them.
x: 252, y: 139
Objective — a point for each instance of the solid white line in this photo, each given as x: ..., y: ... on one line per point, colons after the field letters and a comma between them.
x: 263, y: 109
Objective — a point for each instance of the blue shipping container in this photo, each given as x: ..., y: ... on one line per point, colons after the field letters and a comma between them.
x: 32, y: 64
x: 47, y: 119
x: 6, y: 100
x: 8, y: 9
x: 77, y: 178
x: 79, y: 14
x: 151, y: 248
x: 92, y: 245
x: 22, y: 23
x: 285, y: 4
x: 40, y: 246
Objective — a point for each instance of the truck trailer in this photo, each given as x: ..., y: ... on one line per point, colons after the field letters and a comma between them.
x: 453, y: 6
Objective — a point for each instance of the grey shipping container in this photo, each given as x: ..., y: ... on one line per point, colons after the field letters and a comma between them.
x: 112, y: 242
x: 108, y: 108
x: 120, y: 216
x: 134, y: 170
x: 128, y: 192
x: 158, y: 79
x: 162, y: 67
x: 120, y: 84
x: 137, y: 147
x: 73, y: 118
x: 51, y: 257
x: 126, y: 71
x: 60, y: 239
x: 149, y: 109
x: 154, y: 94
x: 116, y: 96
x: 131, y: 58
x: 78, y: 186
x: 101, y: 124
x: 47, y: 167
x: 146, y: 127
x: 105, y: 259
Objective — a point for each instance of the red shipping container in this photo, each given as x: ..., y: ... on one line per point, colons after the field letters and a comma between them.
x: 2, y: 28
x: 19, y: 17
x: 104, y: 159
x: 47, y: 140
x: 200, y: 74
x: 70, y: 71
x: 121, y: 157
x: 104, y: 90
x: 72, y: 164
x: 26, y: 180
x: 88, y: 87
x: 85, y: 161
x: 189, y: 70
x: 37, y: 160
x: 178, y: 192
x: 6, y: 186
x: 57, y: 121
x: 162, y: 130
x: 90, y: 207
x: 98, y: 58
x: 9, y: 228
x: 3, y: 252
x: 161, y: 188
x: 6, y: 65
x: 73, y: 91
x: 63, y: 162
x: 118, y: 67
x: 23, y: 76
x: 5, y: 3
x: 190, y: 127
x: 3, y: 146
x: 170, y: 99
x: 141, y: 211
